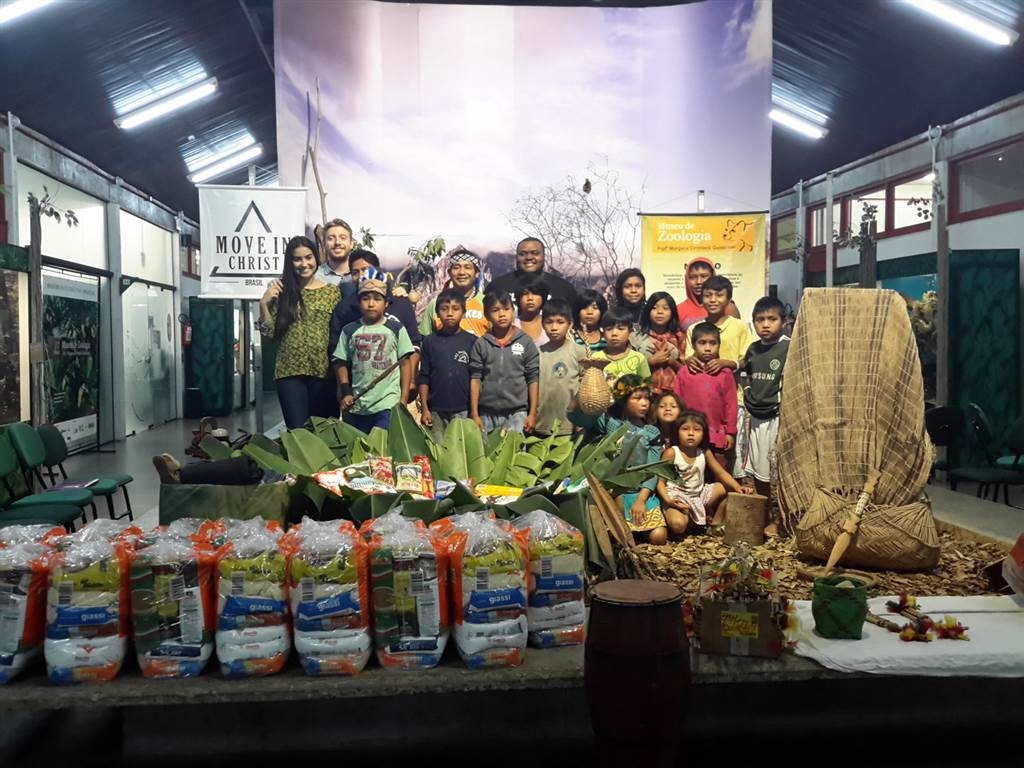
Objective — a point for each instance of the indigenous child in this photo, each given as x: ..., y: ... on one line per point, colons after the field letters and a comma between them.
x: 763, y: 365
x: 691, y: 310
x: 735, y: 337
x: 665, y: 416
x: 711, y: 393
x: 504, y: 368
x: 659, y: 341
x: 630, y: 294
x: 631, y: 406
x: 687, y: 503
x: 464, y: 277
x: 374, y: 355
x: 531, y: 293
x: 588, y: 310
x: 559, y: 370
x: 616, y: 326
x: 443, y: 380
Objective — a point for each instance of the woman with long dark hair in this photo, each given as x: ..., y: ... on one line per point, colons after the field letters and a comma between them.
x: 296, y: 310
x: 631, y: 293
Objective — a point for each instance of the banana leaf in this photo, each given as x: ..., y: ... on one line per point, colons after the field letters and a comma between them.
x: 463, y: 455
x: 406, y: 438
x: 264, y: 442
x: 494, y: 438
x: 339, y: 436
x: 510, y: 444
x: 377, y: 442
x: 306, y: 450
x: 427, y: 510
x: 462, y: 496
x: 376, y: 504
x: 271, y: 461
x: 634, y: 477
x: 315, y: 493
x: 525, y: 504
x: 528, y: 462
x: 216, y: 449
x: 517, y: 477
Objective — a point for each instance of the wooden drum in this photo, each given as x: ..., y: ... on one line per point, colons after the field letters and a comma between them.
x: 637, y: 662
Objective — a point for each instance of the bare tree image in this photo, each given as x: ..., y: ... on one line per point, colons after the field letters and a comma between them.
x: 589, y: 226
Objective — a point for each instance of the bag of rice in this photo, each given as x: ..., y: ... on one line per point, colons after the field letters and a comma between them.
x: 23, y: 573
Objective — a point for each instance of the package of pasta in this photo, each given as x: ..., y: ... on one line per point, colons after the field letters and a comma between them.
x: 489, y: 594
x: 253, y: 635
x: 408, y: 578
x: 556, y: 612
x: 24, y: 567
x: 173, y: 607
x: 415, y: 477
x: 329, y: 593
x: 86, y: 633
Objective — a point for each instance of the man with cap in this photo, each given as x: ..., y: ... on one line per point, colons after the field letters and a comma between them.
x: 464, y: 276
x: 530, y: 260
x: 374, y: 361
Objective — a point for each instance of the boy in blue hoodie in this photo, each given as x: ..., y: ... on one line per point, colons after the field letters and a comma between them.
x: 504, y: 367
x: 443, y: 380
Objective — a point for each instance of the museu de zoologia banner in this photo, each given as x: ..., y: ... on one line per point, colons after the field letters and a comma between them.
x: 482, y: 124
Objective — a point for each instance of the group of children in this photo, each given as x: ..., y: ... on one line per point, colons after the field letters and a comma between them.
x: 706, y: 397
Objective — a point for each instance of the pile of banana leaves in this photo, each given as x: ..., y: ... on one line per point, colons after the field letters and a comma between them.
x: 539, y: 465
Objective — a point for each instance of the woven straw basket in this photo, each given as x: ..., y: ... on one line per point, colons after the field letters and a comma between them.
x: 853, y: 408
x: 594, y: 396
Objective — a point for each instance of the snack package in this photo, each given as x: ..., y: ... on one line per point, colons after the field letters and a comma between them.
x: 489, y: 593
x: 253, y: 635
x: 23, y: 575
x: 365, y: 477
x: 556, y: 612
x: 408, y: 576
x: 498, y: 494
x: 329, y: 592
x: 85, y: 609
x: 415, y: 477
x: 173, y: 609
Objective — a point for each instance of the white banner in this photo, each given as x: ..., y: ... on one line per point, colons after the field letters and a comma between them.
x: 244, y: 232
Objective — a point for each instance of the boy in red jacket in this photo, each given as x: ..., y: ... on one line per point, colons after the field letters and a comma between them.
x: 713, y: 394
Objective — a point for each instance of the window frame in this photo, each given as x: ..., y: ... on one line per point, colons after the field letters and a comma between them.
x: 847, y: 209
x: 890, y: 205
x: 955, y: 164
x: 790, y: 253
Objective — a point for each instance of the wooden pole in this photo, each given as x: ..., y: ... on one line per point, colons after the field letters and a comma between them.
x: 36, y: 344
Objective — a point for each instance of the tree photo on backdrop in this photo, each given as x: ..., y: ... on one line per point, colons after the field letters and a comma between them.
x: 480, y: 125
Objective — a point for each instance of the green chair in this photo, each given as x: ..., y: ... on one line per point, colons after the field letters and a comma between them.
x: 991, y: 476
x: 42, y: 510
x: 56, y: 451
x: 25, y: 452
x: 1015, y: 445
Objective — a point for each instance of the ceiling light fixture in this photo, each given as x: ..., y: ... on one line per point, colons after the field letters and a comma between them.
x: 222, y: 164
x: 19, y: 8
x: 167, y: 104
x: 797, y: 124
x: 967, y: 21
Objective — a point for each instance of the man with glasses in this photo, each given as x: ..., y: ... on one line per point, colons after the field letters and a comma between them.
x: 529, y: 261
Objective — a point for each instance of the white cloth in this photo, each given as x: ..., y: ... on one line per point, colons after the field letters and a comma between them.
x: 761, y: 436
x: 995, y: 649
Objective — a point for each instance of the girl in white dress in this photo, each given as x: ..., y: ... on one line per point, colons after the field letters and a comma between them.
x: 689, y: 501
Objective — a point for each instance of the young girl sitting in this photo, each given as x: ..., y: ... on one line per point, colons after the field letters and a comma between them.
x: 687, y: 503
x: 660, y: 341
x: 588, y: 309
x: 631, y: 406
x: 665, y: 416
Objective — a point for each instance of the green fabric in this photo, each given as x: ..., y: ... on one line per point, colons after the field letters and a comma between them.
x: 54, y: 445
x: 212, y: 366
x: 79, y: 497
x: 984, y: 341
x: 303, y: 347
x: 242, y: 502
x: 28, y: 444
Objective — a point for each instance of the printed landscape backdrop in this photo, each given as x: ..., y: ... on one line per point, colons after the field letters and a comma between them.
x: 480, y: 124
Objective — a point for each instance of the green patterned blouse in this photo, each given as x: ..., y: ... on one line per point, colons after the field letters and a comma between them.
x: 303, y: 350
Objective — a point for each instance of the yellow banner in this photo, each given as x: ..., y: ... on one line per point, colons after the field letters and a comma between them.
x: 733, y: 242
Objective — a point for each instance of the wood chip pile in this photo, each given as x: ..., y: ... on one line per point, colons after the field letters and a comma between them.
x: 959, y: 571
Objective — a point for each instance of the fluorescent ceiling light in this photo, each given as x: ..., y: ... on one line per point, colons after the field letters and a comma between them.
x: 968, y: 22
x: 167, y: 104
x: 221, y: 166
x: 14, y: 10
x: 797, y: 124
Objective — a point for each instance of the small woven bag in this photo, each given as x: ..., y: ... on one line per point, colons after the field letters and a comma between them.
x: 594, y: 396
